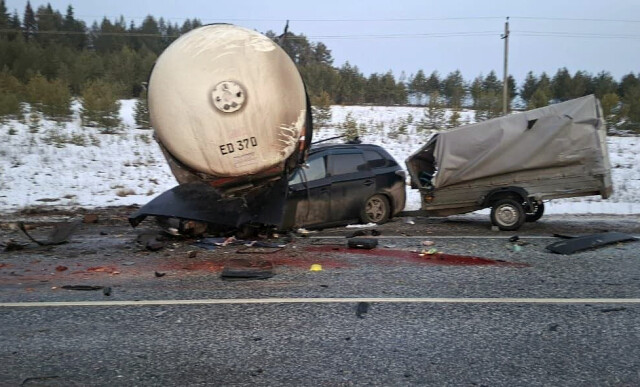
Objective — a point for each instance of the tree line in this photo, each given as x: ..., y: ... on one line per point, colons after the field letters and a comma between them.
x: 47, y: 58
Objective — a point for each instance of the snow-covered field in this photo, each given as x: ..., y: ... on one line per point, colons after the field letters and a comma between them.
x: 67, y: 165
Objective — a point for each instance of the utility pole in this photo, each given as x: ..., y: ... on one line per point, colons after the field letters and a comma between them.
x: 505, y: 79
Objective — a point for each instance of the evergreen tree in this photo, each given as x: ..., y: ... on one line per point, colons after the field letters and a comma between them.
x: 492, y: 83
x: 603, y: 84
x: 321, y: 110
x: 52, y: 98
x: 489, y: 105
x: 454, y: 119
x: 4, y: 16
x: 10, y: 94
x: 30, y: 25
x: 418, y: 86
x: 581, y: 84
x: 540, y: 98
x: 476, y: 90
x: 528, y: 87
x: 454, y: 89
x: 434, y: 85
x: 433, y: 115
x: 561, y: 85
x: 611, y: 109
x: 141, y: 111
x: 100, y: 106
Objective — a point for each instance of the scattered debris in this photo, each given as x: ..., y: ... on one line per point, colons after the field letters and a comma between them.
x: 619, y: 309
x: 106, y: 291
x: 245, y: 269
x: 431, y: 251
x: 59, y: 235
x: 495, y: 228
x: 304, y: 232
x: 154, y: 245
x: 129, y: 263
x: 409, y: 221
x: 316, y: 267
x: 514, y: 238
x: 38, y: 378
x: 517, y: 248
x: 361, y: 309
x: 12, y: 245
x: 158, y: 274
x: 564, y: 236
x: 570, y: 246
x: 362, y: 243
x: 358, y: 233
x: 259, y: 247
x: 214, y: 243
x: 428, y: 243
x: 82, y: 287
x: 192, y: 254
x: 61, y: 268
x: 90, y: 218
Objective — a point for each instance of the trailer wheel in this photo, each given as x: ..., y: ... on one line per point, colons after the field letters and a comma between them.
x: 376, y: 210
x: 538, y: 210
x: 507, y: 214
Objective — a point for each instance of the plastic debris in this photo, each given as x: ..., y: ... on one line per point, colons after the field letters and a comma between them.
x: 517, y: 248
x: 316, y: 267
x: 247, y: 269
x: 428, y: 243
x: 362, y: 309
x: 82, y: 287
x: 362, y: 243
x: 59, y: 235
x: 368, y: 225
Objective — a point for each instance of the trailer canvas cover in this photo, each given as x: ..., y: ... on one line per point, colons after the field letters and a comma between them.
x: 571, y: 135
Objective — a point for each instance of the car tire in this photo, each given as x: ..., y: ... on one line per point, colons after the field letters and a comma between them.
x: 507, y: 214
x: 538, y: 210
x: 376, y: 209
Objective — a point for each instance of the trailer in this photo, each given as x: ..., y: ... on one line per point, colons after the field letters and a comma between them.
x: 513, y: 164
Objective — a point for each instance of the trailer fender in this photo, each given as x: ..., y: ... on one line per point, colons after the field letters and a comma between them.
x: 517, y: 193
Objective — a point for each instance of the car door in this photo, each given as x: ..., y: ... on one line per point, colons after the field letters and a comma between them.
x: 352, y: 183
x: 309, y: 196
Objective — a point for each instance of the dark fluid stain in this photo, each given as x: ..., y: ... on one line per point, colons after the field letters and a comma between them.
x: 429, y: 259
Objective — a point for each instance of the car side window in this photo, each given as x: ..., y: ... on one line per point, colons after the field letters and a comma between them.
x: 317, y: 170
x: 344, y: 163
x: 377, y: 160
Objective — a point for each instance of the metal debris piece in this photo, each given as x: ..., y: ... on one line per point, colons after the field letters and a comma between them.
x: 82, y: 287
x: 245, y: 269
x: 361, y: 309
x: 570, y: 246
x: 362, y: 243
x: 59, y: 235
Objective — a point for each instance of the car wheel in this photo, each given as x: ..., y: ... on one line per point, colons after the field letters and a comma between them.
x: 507, y: 214
x: 376, y: 210
x: 538, y: 210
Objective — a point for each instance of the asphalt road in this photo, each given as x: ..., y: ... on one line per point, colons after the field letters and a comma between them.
x: 382, y: 317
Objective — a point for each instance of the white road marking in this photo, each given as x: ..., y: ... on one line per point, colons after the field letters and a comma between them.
x: 265, y: 301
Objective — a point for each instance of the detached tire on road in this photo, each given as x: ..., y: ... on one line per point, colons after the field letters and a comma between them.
x: 376, y: 210
x: 507, y: 214
x: 538, y: 210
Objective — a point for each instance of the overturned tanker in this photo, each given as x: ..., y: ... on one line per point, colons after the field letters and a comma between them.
x: 232, y: 117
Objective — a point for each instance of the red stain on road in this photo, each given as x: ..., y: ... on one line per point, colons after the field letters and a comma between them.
x: 430, y: 259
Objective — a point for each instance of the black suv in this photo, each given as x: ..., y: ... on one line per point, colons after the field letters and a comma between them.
x: 342, y: 183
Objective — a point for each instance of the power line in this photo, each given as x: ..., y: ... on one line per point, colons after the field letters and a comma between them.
x: 359, y: 36
x: 347, y: 20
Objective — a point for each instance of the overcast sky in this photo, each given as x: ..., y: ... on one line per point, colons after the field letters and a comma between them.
x: 407, y: 35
